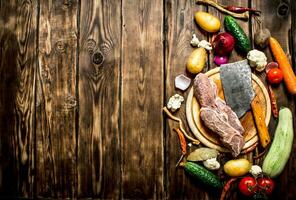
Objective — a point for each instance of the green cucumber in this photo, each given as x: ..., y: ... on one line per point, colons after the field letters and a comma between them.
x: 242, y: 42
x: 203, y: 174
x: 279, y: 152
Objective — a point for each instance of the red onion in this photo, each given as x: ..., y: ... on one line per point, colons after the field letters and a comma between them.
x: 220, y: 60
x: 271, y: 65
x: 223, y: 44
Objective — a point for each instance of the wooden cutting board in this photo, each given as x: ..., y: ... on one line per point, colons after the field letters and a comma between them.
x: 211, y: 139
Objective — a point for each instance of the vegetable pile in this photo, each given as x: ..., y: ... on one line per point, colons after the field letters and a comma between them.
x: 207, y: 165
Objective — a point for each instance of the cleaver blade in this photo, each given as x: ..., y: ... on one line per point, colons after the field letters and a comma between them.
x: 236, y: 81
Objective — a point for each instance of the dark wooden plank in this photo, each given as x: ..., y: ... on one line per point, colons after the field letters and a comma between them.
x: 142, y: 99
x: 179, y: 19
x: 17, y: 86
x: 8, y: 88
x: 56, y: 100
x: 293, y: 33
x: 292, y: 163
x: 99, y: 173
x: 279, y: 27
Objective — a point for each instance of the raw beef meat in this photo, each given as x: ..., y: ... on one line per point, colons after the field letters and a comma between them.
x: 217, y: 116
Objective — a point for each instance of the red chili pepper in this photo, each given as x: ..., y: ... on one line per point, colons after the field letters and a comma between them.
x: 241, y: 9
x: 226, y: 188
x: 274, y: 108
x: 182, y: 140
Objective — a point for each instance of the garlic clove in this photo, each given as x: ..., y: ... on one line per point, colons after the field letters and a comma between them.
x: 194, y: 41
x: 205, y: 44
x: 182, y: 82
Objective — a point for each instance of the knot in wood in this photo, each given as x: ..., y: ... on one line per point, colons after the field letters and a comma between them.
x: 283, y: 9
x: 60, y: 46
x: 91, y: 45
x: 67, y: 4
x: 70, y: 102
x: 98, y: 58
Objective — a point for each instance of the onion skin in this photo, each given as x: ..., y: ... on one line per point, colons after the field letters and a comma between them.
x: 220, y: 60
x: 223, y: 44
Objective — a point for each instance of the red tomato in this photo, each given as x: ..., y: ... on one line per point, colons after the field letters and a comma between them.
x: 275, y: 76
x: 248, y: 186
x: 266, y: 184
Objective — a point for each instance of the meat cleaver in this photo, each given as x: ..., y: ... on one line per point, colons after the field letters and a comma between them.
x: 236, y: 81
x: 237, y: 86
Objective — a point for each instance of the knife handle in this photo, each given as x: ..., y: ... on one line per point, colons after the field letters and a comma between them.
x: 260, y: 122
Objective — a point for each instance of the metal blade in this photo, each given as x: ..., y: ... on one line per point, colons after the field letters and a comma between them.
x: 237, y: 86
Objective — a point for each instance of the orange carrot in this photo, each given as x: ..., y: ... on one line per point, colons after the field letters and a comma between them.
x: 284, y: 65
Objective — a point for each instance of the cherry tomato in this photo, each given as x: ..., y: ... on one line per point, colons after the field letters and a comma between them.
x: 266, y: 184
x: 275, y: 76
x: 248, y: 186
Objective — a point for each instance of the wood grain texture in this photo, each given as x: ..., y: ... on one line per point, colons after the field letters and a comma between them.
x: 142, y: 99
x: 18, y: 69
x: 8, y: 88
x: 291, y: 184
x: 99, y: 173
x: 293, y: 33
x: 56, y: 100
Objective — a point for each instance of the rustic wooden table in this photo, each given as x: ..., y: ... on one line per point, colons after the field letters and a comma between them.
x: 82, y: 84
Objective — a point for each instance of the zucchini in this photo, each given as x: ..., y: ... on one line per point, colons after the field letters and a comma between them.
x: 281, y: 147
x: 242, y: 42
x: 203, y: 174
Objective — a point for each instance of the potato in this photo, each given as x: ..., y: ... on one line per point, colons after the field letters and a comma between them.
x: 207, y: 21
x: 261, y: 38
x: 196, y: 60
x: 237, y: 167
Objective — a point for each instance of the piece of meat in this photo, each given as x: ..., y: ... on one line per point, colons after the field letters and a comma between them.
x: 206, y: 89
x: 217, y: 116
x: 232, y: 117
x: 229, y: 136
x: 209, y: 97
